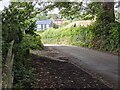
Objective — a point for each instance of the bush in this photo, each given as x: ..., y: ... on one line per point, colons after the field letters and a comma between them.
x: 106, y: 36
x: 23, y: 75
x: 100, y: 36
x: 32, y: 42
x: 73, y: 35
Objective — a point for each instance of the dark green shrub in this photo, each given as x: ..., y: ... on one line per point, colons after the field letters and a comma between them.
x: 106, y: 36
x: 23, y: 75
x: 100, y: 36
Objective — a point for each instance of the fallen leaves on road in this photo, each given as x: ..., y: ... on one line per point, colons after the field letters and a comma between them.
x: 54, y: 74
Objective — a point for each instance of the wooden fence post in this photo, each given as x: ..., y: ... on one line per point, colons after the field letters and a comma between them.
x: 7, y: 79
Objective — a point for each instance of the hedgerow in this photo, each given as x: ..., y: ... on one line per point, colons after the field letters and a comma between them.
x: 99, y: 36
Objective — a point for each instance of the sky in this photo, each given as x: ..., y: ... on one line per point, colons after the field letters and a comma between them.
x: 54, y: 11
x: 4, y: 3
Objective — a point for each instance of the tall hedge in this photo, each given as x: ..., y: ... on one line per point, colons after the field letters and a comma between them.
x: 17, y: 35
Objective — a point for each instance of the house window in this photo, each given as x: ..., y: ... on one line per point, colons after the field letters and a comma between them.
x: 41, y: 26
x: 49, y: 25
x: 45, y: 26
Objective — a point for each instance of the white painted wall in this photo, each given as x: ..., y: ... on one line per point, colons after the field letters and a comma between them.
x: 39, y: 27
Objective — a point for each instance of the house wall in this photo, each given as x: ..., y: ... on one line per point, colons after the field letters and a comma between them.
x: 84, y: 23
x: 43, y: 26
x: 59, y: 21
x: 38, y: 26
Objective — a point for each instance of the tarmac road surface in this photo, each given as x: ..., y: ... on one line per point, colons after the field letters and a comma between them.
x: 97, y: 63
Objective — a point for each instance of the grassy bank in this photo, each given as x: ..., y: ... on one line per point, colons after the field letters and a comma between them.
x: 97, y: 36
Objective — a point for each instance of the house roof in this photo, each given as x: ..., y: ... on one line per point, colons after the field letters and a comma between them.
x: 44, y: 22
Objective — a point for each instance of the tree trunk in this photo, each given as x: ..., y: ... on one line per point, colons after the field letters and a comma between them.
x: 7, y: 69
x: 107, y: 14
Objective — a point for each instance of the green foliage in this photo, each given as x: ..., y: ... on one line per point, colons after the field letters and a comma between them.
x: 32, y: 42
x: 93, y: 9
x: 117, y: 16
x: 22, y: 69
x: 30, y: 27
x: 23, y: 76
x: 106, y: 36
x: 42, y: 16
x: 83, y: 10
x: 74, y: 35
x: 69, y: 10
x: 17, y: 24
x: 55, y: 26
x: 99, y: 36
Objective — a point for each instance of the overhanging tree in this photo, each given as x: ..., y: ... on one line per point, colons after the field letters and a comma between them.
x: 107, y: 12
x: 104, y: 11
x: 15, y: 24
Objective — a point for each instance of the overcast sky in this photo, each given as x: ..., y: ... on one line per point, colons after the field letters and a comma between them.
x: 4, y: 3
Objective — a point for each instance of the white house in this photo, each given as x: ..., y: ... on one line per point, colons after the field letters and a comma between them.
x: 44, y: 24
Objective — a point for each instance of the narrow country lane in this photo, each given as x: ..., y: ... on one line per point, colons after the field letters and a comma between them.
x: 51, y: 72
x: 102, y: 65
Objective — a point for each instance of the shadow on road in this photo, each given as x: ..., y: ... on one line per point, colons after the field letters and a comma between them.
x: 55, y: 74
